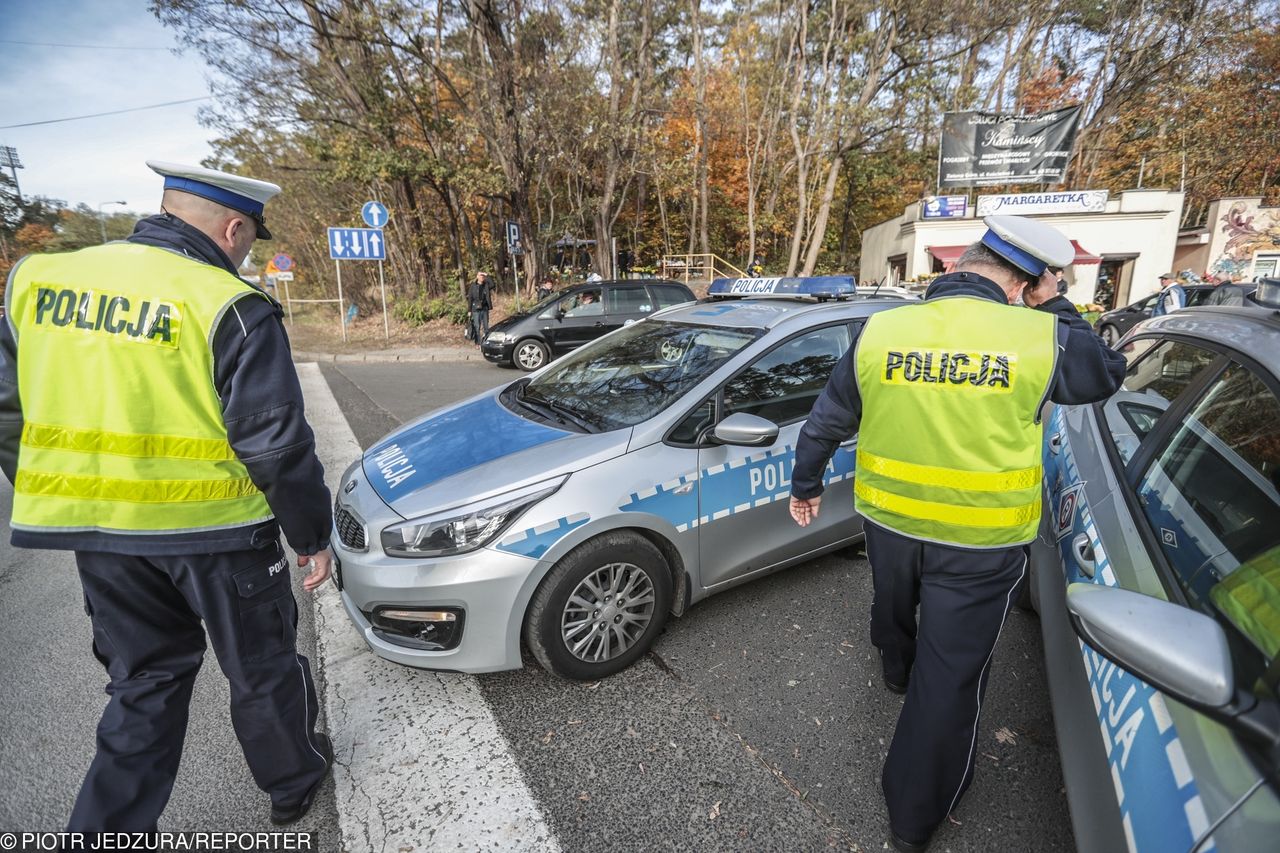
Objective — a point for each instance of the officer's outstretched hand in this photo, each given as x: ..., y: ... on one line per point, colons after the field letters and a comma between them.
x: 804, y: 510
x: 322, y: 566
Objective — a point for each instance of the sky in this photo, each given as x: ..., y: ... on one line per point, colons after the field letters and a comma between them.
x: 96, y: 160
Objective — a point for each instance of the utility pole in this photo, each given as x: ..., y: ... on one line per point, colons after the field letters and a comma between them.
x: 102, y: 221
x: 9, y: 160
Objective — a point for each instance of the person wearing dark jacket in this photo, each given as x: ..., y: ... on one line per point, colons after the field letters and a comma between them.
x: 946, y: 399
x: 479, y: 304
x: 169, y: 455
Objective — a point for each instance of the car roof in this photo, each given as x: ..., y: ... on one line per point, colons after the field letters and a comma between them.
x: 769, y: 313
x: 1251, y: 329
x: 616, y: 282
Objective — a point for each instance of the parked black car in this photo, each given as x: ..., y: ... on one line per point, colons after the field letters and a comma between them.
x: 571, y: 318
x: 1113, y: 324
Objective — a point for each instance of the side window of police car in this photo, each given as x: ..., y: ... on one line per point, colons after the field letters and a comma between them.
x: 1159, y: 371
x: 1211, y: 495
x: 783, y: 384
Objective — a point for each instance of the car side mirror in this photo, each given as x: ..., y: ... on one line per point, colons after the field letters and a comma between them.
x: 744, y: 430
x: 1178, y: 651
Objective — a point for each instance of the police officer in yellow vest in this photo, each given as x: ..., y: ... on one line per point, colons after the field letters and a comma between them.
x: 151, y: 421
x: 945, y: 397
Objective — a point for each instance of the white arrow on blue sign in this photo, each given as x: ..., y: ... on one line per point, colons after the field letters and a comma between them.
x: 374, y: 214
x: 357, y: 244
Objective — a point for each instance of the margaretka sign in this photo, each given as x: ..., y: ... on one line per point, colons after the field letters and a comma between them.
x: 1021, y: 204
x: 999, y: 148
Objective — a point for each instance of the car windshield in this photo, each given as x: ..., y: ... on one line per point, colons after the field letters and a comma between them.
x: 633, y: 374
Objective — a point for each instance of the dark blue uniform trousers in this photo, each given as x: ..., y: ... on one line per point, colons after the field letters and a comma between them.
x: 146, y: 614
x: 964, y: 597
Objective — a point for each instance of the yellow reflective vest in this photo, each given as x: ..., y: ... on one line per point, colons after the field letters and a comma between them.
x: 950, y: 438
x: 123, y: 429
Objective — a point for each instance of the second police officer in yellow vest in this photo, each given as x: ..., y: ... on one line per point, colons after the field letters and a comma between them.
x: 945, y: 397
x: 151, y: 421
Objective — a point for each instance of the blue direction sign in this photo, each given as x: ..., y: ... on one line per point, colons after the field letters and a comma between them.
x: 283, y: 262
x: 357, y: 244
x: 375, y: 215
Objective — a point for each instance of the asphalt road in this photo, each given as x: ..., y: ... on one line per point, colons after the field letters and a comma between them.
x: 759, y: 721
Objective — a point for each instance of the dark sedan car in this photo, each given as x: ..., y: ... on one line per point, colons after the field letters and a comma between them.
x: 1114, y: 324
x: 569, y: 319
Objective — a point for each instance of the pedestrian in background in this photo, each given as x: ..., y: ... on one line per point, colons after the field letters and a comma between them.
x: 945, y: 397
x: 479, y: 304
x: 169, y: 454
x: 1173, y: 297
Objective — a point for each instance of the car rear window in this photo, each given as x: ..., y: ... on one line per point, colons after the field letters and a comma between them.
x: 667, y: 296
x: 628, y: 300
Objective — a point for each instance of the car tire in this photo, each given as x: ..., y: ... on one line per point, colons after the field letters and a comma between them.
x: 1110, y: 334
x: 530, y: 354
x: 586, y: 645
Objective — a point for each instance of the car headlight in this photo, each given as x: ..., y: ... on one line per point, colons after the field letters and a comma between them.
x: 465, y: 528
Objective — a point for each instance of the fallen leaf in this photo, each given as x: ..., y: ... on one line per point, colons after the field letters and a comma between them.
x: 548, y: 736
x: 792, y: 683
x: 715, y: 811
x: 593, y: 685
x: 953, y: 820
x: 992, y: 757
x: 584, y: 797
x: 1005, y: 735
x: 575, y: 722
x: 641, y: 766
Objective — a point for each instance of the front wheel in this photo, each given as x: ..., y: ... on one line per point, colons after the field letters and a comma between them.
x: 1110, y: 335
x: 530, y: 354
x: 601, y: 608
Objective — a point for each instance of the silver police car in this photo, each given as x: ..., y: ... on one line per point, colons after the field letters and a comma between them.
x: 576, y: 508
x: 1157, y: 578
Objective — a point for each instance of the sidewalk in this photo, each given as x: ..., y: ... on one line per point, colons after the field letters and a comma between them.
x: 393, y: 354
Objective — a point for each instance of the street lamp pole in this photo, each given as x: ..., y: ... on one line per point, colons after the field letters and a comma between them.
x: 102, y: 222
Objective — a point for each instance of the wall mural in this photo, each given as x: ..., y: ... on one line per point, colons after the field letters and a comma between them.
x: 1248, y: 230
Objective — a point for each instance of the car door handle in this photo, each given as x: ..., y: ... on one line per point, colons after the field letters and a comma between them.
x: 1055, y: 443
x: 1082, y: 548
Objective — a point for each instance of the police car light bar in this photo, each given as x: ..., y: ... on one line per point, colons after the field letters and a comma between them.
x: 812, y: 287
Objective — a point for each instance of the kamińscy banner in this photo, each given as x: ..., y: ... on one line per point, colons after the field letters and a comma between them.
x: 998, y: 148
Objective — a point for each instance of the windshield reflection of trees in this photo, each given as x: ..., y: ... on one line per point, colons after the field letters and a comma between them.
x: 780, y: 391
x: 628, y: 381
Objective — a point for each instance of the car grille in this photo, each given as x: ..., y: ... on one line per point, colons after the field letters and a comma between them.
x: 350, y: 530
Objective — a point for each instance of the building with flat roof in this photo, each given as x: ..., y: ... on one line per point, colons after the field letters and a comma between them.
x: 1123, y: 242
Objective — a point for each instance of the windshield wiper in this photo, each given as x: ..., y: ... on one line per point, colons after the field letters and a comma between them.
x: 578, y: 416
x: 548, y: 408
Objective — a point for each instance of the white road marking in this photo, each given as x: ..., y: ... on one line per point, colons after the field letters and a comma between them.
x: 421, y: 762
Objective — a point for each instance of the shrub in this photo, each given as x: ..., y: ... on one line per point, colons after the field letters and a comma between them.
x: 421, y: 310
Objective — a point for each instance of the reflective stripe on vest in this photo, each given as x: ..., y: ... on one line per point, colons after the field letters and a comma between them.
x: 123, y: 425
x: 949, y: 444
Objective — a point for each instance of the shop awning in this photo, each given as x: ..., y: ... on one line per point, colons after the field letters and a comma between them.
x: 1083, y: 256
x: 948, y: 255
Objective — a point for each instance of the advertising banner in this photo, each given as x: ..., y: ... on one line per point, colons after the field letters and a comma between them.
x: 1021, y: 204
x: 998, y: 148
x: 945, y: 207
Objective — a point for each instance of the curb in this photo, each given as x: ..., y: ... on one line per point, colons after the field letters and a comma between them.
x: 406, y: 356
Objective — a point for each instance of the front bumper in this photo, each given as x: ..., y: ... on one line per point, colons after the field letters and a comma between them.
x: 497, y: 351
x: 490, y: 588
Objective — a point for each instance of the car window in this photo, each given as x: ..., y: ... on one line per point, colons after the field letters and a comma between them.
x: 628, y: 300
x: 688, y: 430
x: 1199, y: 295
x: 1146, y: 304
x: 636, y: 372
x: 1156, y: 376
x: 784, y: 383
x: 1212, y: 497
x: 585, y: 303
x: 666, y: 296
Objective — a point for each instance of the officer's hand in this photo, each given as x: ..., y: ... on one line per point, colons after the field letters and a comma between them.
x: 322, y: 567
x: 804, y: 511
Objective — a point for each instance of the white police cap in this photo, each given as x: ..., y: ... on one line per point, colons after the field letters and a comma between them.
x: 1029, y: 245
x: 247, y: 195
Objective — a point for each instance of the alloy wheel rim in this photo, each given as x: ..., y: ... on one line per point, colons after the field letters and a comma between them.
x: 530, y: 355
x: 608, y: 612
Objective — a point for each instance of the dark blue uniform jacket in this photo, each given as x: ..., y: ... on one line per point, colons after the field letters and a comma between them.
x: 262, y: 408
x: 1087, y: 371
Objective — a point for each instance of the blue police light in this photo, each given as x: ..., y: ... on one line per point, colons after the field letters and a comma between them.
x: 812, y: 287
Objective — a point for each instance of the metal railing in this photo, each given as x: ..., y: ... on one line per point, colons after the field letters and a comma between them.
x: 698, y: 268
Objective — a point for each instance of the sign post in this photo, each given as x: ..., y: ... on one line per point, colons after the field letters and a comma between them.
x: 375, y: 215
x: 514, y: 248
x: 352, y: 244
